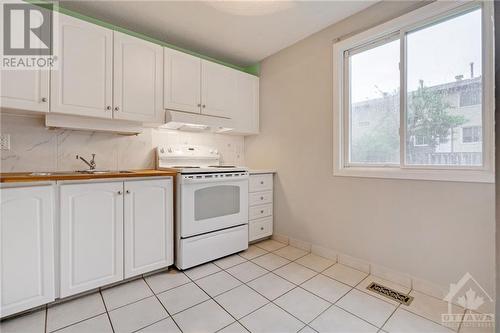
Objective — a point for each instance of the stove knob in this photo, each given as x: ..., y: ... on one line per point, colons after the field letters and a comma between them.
x: 162, y: 151
x: 170, y: 150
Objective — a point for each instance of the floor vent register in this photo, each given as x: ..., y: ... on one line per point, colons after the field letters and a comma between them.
x: 390, y: 293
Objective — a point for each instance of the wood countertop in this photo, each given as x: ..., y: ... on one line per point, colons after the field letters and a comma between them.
x: 17, y: 177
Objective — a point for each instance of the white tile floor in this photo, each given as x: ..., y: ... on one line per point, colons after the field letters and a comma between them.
x: 270, y: 287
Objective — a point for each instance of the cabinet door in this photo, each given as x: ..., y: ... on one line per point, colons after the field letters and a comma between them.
x: 25, y: 90
x: 182, y: 77
x: 91, y: 236
x: 218, y: 89
x: 138, y: 79
x: 245, y: 115
x: 82, y: 82
x: 148, y: 226
x: 27, y: 247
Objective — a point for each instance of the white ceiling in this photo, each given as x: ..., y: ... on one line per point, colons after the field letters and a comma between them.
x: 239, y: 32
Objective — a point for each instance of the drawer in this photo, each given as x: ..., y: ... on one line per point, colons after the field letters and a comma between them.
x: 260, y: 228
x: 260, y: 198
x: 257, y: 212
x: 259, y: 183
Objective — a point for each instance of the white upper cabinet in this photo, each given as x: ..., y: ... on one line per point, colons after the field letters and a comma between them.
x: 106, y: 74
x: 91, y: 236
x: 27, y: 247
x: 182, y: 79
x: 245, y: 116
x: 138, y: 79
x: 148, y: 223
x: 218, y: 89
x: 25, y: 90
x: 82, y: 83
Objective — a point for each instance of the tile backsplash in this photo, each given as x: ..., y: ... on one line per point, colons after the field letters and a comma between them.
x: 33, y: 147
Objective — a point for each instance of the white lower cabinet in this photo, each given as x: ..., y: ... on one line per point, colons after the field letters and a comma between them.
x: 27, y: 247
x: 260, y: 228
x: 260, y: 210
x: 113, y: 230
x: 148, y: 226
x: 91, y: 236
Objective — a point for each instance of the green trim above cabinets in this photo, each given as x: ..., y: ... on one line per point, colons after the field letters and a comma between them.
x: 253, y: 69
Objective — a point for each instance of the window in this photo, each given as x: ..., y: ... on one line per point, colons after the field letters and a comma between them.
x: 472, y: 134
x: 414, y: 93
x: 470, y: 97
x: 421, y: 140
x: 373, y: 99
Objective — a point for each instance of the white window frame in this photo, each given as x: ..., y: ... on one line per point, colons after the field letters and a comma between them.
x: 421, y: 17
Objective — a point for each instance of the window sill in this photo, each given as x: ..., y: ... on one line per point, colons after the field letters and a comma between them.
x: 471, y: 176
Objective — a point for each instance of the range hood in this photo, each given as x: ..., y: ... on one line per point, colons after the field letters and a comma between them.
x: 194, y: 122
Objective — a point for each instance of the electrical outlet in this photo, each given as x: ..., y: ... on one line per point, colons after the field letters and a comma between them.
x: 4, y: 141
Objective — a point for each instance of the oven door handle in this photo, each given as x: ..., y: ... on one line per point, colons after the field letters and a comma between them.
x: 184, y: 180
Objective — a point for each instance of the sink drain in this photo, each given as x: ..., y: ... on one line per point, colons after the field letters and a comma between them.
x: 390, y: 293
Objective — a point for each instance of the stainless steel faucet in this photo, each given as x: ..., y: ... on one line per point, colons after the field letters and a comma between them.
x: 91, y: 164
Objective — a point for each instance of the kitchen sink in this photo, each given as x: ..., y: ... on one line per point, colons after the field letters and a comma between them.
x: 102, y: 172
x: 58, y: 173
x: 90, y: 172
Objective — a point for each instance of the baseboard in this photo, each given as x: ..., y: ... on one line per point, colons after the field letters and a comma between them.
x: 280, y: 238
x: 404, y: 279
x: 359, y: 264
x: 429, y: 288
x: 324, y: 252
x: 299, y: 244
x: 391, y: 275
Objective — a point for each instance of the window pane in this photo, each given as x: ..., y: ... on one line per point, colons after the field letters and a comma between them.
x: 444, y: 99
x: 374, y: 105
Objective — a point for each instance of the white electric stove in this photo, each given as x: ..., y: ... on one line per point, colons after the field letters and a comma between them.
x: 211, y: 206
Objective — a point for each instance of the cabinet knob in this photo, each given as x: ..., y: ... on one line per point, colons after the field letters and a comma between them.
x: 261, y: 182
x: 108, y: 107
x: 119, y: 192
x: 117, y: 108
x: 44, y: 99
x: 261, y: 228
x: 127, y: 191
x: 262, y: 212
x: 199, y: 105
x: 261, y: 198
x: 203, y: 106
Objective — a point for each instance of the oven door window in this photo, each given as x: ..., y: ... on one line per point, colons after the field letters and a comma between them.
x: 216, y: 201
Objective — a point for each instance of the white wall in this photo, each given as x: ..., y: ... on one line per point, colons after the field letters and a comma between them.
x: 435, y: 231
x: 36, y: 148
